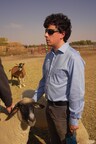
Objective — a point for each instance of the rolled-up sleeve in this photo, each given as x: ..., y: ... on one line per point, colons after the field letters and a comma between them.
x: 77, y: 89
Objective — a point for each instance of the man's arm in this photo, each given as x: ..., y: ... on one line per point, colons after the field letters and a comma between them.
x: 77, y: 91
x: 5, y: 91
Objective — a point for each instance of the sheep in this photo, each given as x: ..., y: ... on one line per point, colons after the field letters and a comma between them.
x: 14, y: 130
x: 82, y: 135
x: 18, y: 72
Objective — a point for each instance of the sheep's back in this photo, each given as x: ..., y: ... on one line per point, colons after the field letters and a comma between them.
x: 13, y: 131
x: 82, y: 134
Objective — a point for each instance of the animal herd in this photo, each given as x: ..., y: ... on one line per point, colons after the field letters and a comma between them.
x: 15, y: 127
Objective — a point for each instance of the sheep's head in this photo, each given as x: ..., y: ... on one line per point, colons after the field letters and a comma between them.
x: 25, y: 109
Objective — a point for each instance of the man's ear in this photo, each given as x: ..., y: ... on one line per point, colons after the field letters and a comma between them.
x: 62, y: 35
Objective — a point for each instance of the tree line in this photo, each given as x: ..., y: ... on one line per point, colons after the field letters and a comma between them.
x: 83, y: 42
x: 4, y: 42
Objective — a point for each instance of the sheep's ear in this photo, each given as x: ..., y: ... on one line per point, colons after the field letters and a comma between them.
x: 12, y: 113
x: 37, y: 105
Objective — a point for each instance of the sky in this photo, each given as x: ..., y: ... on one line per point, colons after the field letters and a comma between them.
x: 22, y: 20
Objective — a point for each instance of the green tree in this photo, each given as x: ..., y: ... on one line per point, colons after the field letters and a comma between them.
x: 3, y: 41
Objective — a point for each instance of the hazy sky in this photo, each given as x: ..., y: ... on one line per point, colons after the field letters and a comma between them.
x: 22, y: 20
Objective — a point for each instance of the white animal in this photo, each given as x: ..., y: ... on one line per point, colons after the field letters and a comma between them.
x: 14, y: 130
x: 82, y: 135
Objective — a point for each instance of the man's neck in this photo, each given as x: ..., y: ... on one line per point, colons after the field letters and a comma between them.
x: 58, y: 46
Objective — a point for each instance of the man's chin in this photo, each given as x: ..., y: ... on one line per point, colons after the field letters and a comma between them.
x: 48, y: 43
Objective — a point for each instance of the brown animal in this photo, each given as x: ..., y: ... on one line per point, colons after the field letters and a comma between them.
x: 18, y: 72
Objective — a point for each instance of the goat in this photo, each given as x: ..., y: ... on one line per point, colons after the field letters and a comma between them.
x: 18, y: 72
x: 14, y: 130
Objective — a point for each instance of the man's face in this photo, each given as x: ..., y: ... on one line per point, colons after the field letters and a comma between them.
x: 53, y: 36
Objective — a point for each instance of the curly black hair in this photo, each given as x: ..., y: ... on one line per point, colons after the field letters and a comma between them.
x: 62, y: 23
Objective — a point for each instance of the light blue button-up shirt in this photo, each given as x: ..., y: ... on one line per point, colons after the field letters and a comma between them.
x: 63, y: 80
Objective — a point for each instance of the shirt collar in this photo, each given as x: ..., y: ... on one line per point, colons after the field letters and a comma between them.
x: 63, y: 48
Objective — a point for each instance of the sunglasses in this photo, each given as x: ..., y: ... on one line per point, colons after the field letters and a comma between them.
x: 50, y: 31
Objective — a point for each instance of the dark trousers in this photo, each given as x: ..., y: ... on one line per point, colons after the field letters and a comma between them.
x: 58, y: 123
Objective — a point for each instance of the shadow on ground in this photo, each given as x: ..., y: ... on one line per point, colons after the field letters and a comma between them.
x: 38, y: 136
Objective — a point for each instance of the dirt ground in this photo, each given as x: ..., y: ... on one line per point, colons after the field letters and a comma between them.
x: 89, y: 115
x: 33, y: 66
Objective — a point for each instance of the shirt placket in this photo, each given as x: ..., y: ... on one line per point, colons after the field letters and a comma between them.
x: 52, y: 63
x: 50, y: 69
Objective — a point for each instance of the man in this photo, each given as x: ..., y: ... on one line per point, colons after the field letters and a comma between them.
x: 5, y: 92
x: 63, y: 80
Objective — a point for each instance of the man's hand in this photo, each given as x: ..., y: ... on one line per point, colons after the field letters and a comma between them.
x: 9, y: 109
x: 73, y: 128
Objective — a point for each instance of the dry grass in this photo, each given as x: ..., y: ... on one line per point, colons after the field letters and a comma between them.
x: 89, y: 115
x: 33, y: 68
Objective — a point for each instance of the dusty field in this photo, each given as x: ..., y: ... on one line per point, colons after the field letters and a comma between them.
x: 33, y: 68
x: 89, y: 115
